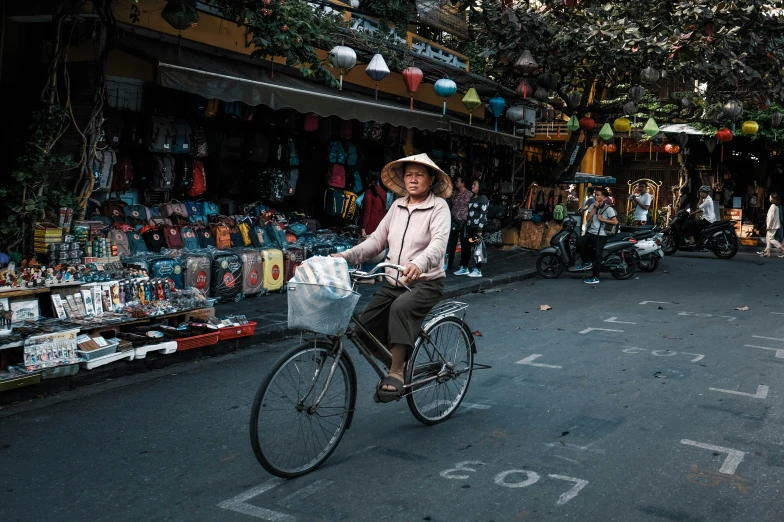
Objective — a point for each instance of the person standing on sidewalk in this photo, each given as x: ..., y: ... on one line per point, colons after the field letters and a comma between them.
x: 642, y: 203
x: 477, y: 219
x: 599, y: 215
x: 459, y: 218
x: 773, y: 224
x: 374, y: 205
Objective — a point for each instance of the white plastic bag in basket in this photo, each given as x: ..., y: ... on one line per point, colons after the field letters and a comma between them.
x: 326, y: 271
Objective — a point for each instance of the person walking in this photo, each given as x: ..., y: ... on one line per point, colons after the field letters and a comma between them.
x: 773, y: 224
x: 599, y: 215
x: 477, y: 219
x: 460, y: 202
x: 374, y: 205
x: 642, y: 203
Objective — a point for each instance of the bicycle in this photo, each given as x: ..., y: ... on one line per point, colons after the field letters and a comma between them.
x: 293, y: 435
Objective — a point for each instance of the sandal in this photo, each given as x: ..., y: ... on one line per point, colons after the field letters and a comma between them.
x: 385, y: 396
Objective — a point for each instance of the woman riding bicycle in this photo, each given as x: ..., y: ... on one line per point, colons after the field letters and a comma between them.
x: 416, y: 231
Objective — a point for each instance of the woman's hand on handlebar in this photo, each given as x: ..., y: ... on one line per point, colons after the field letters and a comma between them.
x: 411, y: 273
x: 336, y: 255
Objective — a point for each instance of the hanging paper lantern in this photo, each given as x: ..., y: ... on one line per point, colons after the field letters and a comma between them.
x: 587, y: 123
x: 496, y: 105
x: 682, y: 139
x: 574, y: 99
x: 524, y: 88
x: 724, y: 135
x: 526, y: 63
x: 650, y: 75
x: 343, y: 58
x: 630, y: 108
x: 547, y: 80
x: 636, y: 93
x: 445, y: 88
x: 669, y: 148
x: 775, y: 119
x: 471, y: 100
x: 611, y: 147
x: 636, y: 136
x: 573, y: 124
x: 651, y: 128
x: 606, y: 133
x: 733, y: 109
x: 413, y: 77
x: 622, y: 125
x: 750, y: 127
x: 377, y: 69
x: 541, y: 94
x: 515, y: 114
x: 354, y: 4
x: 710, y: 144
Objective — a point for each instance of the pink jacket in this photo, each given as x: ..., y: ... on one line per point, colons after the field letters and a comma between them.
x: 414, y: 234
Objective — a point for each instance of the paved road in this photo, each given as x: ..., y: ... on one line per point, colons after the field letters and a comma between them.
x: 668, y: 410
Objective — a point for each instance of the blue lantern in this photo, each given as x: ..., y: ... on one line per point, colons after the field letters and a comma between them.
x: 497, y: 105
x: 445, y: 88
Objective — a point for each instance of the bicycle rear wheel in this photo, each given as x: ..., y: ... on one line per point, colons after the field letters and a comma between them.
x: 290, y: 439
x: 437, y: 400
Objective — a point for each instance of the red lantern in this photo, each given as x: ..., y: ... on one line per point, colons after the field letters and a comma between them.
x: 587, y: 123
x: 676, y: 149
x: 724, y: 135
x: 669, y: 148
x: 413, y: 77
x: 524, y: 89
x: 612, y: 147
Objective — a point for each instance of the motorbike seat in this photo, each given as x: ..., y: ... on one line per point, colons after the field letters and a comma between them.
x: 617, y: 246
x: 633, y: 230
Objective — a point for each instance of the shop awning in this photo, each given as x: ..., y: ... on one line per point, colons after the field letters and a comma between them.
x: 582, y: 177
x: 677, y: 128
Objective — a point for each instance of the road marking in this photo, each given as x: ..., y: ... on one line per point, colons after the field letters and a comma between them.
x: 779, y: 351
x: 731, y: 463
x: 569, y: 445
x: 762, y: 392
x: 729, y: 318
x: 588, y: 330
x: 528, y: 361
x: 663, y: 353
x: 532, y: 477
x: 294, y: 500
x: 656, y: 302
x: 698, y: 358
x: 768, y: 338
x: 777, y: 313
x: 613, y: 320
x: 579, y: 484
x: 239, y: 504
x: 461, y: 466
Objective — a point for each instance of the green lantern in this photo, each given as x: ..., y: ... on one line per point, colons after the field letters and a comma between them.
x: 651, y: 129
x: 606, y: 133
x: 573, y: 124
x: 471, y: 100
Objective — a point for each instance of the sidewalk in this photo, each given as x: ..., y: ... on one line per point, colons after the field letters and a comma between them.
x: 270, y: 314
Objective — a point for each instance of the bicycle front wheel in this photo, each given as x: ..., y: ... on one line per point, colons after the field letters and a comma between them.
x: 449, y: 356
x: 289, y: 436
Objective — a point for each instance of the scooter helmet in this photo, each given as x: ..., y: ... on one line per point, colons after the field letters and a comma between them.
x: 705, y: 188
x: 569, y: 224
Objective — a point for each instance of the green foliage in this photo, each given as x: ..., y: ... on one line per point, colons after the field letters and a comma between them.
x: 392, y: 13
x: 35, y: 186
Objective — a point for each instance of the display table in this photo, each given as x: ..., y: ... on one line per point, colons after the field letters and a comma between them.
x: 22, y: 292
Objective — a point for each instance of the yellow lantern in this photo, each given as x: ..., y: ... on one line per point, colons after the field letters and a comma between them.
x: 471, y: 100
x: 622, y: 125
x: 750, y: 127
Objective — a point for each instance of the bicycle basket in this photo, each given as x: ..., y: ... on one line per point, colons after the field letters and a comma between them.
x: 320, y: 308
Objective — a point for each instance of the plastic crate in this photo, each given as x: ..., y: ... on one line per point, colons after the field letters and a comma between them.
x: 98, y: 352
x: 234, y: 332
x: 197, y: 341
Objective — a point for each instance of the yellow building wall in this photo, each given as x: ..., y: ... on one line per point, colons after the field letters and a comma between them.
x: 217, y: 32
x: 593, y: 161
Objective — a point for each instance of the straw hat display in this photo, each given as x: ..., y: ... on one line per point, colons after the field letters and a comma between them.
x: 392, y: 176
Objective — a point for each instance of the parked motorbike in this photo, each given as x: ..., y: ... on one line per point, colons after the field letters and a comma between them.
x: 648, y: 248
x: 719, y: 238
x: 618, y: 257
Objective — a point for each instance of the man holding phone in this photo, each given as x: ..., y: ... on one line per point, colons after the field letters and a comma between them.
x: 642, y: 203
x: 600, y: 216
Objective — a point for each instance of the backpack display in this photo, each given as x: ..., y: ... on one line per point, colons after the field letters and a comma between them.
x: 206, y: 239
x: 559, y: 212
x: 292, y: 258
x: 293, y: 158
x: 122, y: 176
x: 372, y: 131
x: 336, y: 177
x: 233, y: 110
x: 172, y: 237
x: 103, y: 170
x: 276, y: 234
x: 350, y: 206
x: 244, y: 229
x: 540, y: 205
x: 136, y: 243
x: 291, y: 182
x: 183, y: 174
x: 136, y: 214
x: 334, y: 202
x: 311, y: 122
x: 210, y: 209
x: 259, y: 237
x: 211, y: 110
x: 357, y: 186
x: 189, y: 239
x: 237, y: 241
x: 226, y: 281
x: 114, y: 209
x: 113, y: 129
x: 161, y: 134
x: 252, y: 270
x: 154, y: 240
x: 351, y: 154
x: 337, y: 154
x: 259, y: 148
x: 175, y: 212
x: 222, y: 236
x: 276, y: 180
x: 181, y: 143
x: 162, y: 174
x: 199, y: 142
x: 119, y: 237
x: 197, y: 272
x: 347, y: 130
x: 169, y: 268
x: 231, y: 147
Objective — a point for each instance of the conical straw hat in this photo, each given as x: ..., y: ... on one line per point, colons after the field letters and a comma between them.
x: 392, y: 176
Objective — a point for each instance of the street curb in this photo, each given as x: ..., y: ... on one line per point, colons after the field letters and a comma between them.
x: 156, y: 362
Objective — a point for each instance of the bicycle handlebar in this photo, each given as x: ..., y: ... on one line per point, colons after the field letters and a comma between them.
x: 357, y: 274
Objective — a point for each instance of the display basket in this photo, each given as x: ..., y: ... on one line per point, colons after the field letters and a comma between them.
x: 233, y: 332
x: 197, y: 341
x: 319, y: 308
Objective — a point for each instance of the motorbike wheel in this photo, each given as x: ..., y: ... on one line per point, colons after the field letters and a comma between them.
x: 648, y: 263
x: 728, y: 247
x: 669, y: 243
x: 631, y: 268
x: 549, y: 265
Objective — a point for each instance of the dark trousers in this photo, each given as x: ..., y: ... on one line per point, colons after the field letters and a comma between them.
x: 694, y: 228
x: 395, y: 315
x: 590, y: 248
x: 467, y: 248
x: 451, y: 247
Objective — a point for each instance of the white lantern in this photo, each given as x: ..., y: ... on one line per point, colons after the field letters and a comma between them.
x: 515, y: 114
x: 343, y: 58
x: 377, y: 70
x: 355, y: 4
